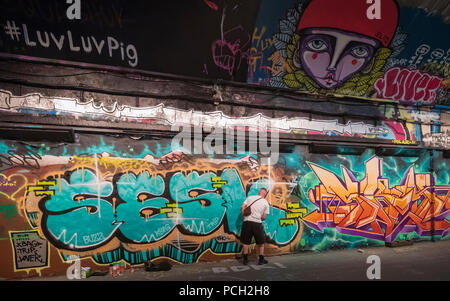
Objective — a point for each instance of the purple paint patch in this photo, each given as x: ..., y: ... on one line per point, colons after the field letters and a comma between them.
x: 8, y: 185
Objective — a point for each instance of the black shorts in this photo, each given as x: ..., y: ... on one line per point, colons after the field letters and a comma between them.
x: 252, y: 229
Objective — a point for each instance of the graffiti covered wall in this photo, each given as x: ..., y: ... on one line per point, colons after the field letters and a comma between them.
x: 109, y: 199
x: 116, y: 198
x: 333, y: 47
x: 395, y: 50
x: 398, y: 125
x: 368, y: 200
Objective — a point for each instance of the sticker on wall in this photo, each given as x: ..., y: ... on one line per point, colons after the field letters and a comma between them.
x: 30, y: 251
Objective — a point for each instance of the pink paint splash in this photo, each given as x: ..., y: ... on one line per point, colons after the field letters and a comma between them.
x: 211, y: 5
x: 397, y: 128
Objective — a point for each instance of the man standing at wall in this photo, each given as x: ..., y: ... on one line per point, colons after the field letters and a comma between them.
x: 252, y: 225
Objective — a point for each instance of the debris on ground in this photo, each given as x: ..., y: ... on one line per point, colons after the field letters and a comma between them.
x: 152, y: 267
x: 400, y: 243
x: 99, y: 274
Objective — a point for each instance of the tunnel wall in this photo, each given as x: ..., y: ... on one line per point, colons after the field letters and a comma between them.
x: 109, y: 199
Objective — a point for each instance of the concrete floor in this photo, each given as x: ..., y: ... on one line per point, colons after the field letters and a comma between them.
x: 418, y: 262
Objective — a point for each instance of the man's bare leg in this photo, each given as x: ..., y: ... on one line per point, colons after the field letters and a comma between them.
x: 245, y: 253
x: 260, y: 250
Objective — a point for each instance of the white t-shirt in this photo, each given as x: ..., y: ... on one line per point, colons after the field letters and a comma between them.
x: 258, y: 208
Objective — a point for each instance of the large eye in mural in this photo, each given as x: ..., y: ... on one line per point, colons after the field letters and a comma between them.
x: 317, y: 45
x: 360, y: 52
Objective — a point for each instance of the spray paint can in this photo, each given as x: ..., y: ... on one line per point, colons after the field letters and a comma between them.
x: 131, y: 269
x: 85, y: 272
x: 115, y: 270
x: 88, y: 272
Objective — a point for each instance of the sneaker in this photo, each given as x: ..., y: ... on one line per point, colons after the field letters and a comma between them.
x: 262, y: 261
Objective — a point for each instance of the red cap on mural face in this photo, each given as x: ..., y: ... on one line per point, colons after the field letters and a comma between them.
x: 351, y: 15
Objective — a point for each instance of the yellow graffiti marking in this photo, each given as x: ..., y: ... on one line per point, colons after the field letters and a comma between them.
x: 407, y: 142
x: 34, y: 188
x: 217, y: 182
x: 42, y: 188
x: 295, y: 213
x: 293, y: 205
x: 48, y: 192
x: 47, y: 183
x: 171, y: 210
x: 287, y: 222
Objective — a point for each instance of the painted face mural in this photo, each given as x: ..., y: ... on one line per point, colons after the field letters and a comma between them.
x: 331, y: 57
x: 336, y: 40
x: 332, y: 47
x: 326, y: 46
